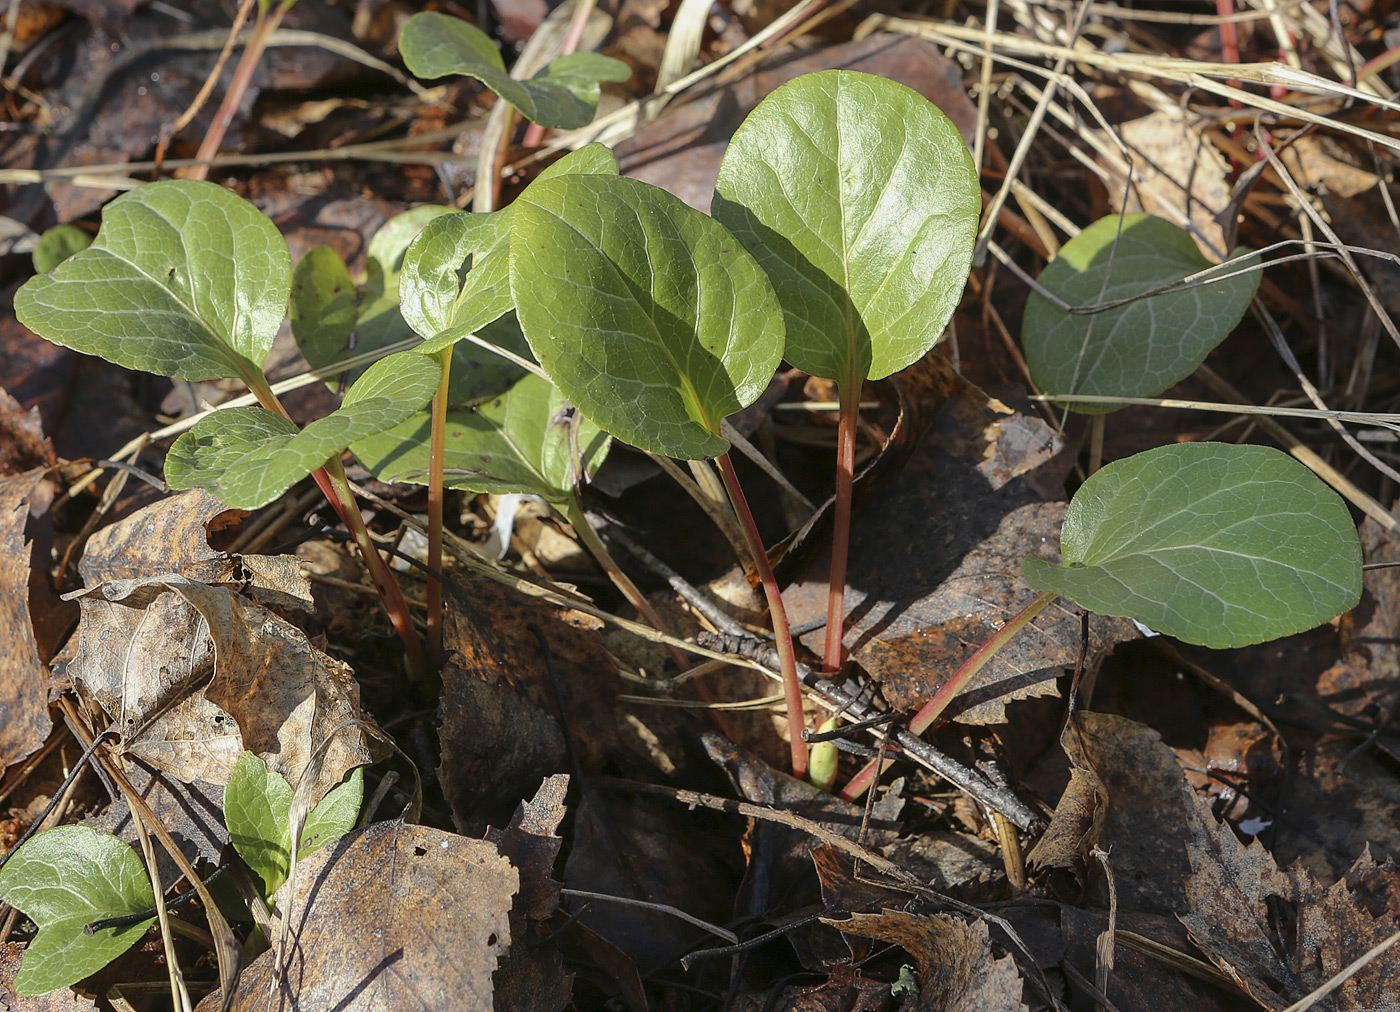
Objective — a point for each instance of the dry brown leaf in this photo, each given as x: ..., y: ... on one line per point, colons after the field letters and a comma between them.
x: 151, y: 643
x: 23, y: 444
x: 1280, y: 955
x: 1175, y: 169
x: 171, y: 536
x: 24, y: 680
x: 1079, y: 817
x: 390, y: 918
x: 957, y: 969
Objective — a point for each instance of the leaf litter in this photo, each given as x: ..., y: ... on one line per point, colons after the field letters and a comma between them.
x: 1293, y: 887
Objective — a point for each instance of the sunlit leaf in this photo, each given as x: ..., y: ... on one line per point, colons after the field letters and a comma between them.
x: 184, y: 279
x: 858, y: 197
x: 248, y: 456
x: 647, y: 314
x: 1213, y: 543
x: 64, y: 879
x: 1139, y: 349
x: 563, y: 95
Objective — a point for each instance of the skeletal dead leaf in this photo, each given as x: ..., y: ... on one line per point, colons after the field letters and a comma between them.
x: 147, y: 647
x: 24, y: 680
x: 1279, y: 932
x: 957, y: 968
x: 390, y: 918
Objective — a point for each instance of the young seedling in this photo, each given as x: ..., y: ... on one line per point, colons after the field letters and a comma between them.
x: 187, y: 280
x: 649, y: 317
x: 859, y: 199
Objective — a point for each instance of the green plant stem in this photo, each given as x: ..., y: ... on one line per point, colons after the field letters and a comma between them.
x: 939, y: 701
x: 437, y: 455
x: 336, y: 488
x: 574, y: 513
x: 782, y: 634
x: 265, y: 25
x: 841, y: 521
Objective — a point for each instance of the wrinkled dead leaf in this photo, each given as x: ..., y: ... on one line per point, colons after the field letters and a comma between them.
x: 1079, y: 817
x: 957, y: 968
x: 24, y: 680
x: 390, y: 918
x: 148, y: 644
x: 1279, y: 954
x: 23, y: 444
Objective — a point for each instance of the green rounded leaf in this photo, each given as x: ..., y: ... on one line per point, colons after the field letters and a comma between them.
x: 57, y: 245
x: 858, y: 197
x: 1139, y: 349
x: 647, y: 314
x: 1213, y: 543
x: 325, y: 307
x: 184, y: 279
x: 525, y: 440
x: 257, y: 803
x: 564, y: 95
x: 248, y: 456
x: 456, y: 273
x: 64, y: 879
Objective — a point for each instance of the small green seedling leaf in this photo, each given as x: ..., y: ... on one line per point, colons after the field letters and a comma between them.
x: 248, y: 456
x: 64, y: 879
x: 1214, y: 543
x: 456, y: 273
x: 1141, y: 348
x: 57, y: 245
x: 256, y: 806
x: 647, y: 314
x: 184, y: 279
x: 858, y: 197
x: 526, y: 440
x: 564, y: 95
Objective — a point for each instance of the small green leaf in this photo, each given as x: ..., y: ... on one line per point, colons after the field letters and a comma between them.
x: 57, y: 245
x: 325, y: 307
x: 257, y: 802
x: 518, y: 442
x: 184, y: 279
x: 64, y: 879
x: 858, y: 197
x: 249, y: 456
x: 456, y: 274
x: 564, y: 95
x: 1139, y: 349
x: 1213, y: 543
x: 335, y: 815
x: 647, y: 314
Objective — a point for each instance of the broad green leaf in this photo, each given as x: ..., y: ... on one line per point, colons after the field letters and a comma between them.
x: 858, y: 197
x: 522, y: 441
x: 256, y: 806
x: 1213, y: 543
x: 456, y: 274
x: 647, y: 314
x: 62, y: 880
x: 256, y: 802
x: 564, y: 95
x: 1139, y: 349
x: 325, y: 307
x: 57, y: 245
x: 184, y: 279
x: 249, y: 456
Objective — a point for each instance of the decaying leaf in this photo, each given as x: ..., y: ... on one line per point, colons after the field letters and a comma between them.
x: 391, y: 918
x: 24, y: 680
x: 957, y: 968
x: 1079, y: 816
x: 146, y: 649
x: 1235, y: 892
